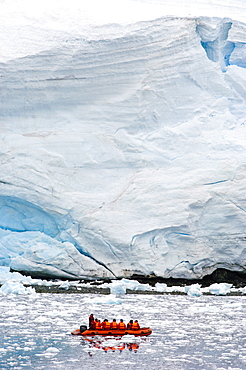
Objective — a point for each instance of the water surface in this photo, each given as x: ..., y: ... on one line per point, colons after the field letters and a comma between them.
x: 188, y: 333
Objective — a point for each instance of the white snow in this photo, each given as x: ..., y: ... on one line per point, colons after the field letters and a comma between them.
x: 30, y: 27
x: 122, y: 138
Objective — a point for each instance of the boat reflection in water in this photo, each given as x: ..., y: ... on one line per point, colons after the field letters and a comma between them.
x: 112, y: 344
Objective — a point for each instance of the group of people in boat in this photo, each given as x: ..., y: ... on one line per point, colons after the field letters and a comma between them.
x: 96, y: 324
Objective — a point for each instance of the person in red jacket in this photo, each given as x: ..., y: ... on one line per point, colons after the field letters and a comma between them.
x: 91, y: 322
x: 106, y: 325
x: 129, y: 325
x: 135, y: 325
x: 114, y: 325
x: 121, y: 325
x: 103, y: 324
x: 98, y: 325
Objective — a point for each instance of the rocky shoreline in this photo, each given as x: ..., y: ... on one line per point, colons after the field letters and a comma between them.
x: 106, y: 291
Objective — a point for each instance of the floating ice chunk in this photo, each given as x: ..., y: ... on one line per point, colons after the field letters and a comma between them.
x: 15, y: 287
x: 51, y: 351
x: 6, y: 275
x: 144, y: 287
x: 193, y: 290
x: 243, y: 290
x: 220, y: 288
x: 44, y: 282
x: 30, y: 290
x: 130, y: 284
x: 64, y: 285
x: 160, y: 287
x: 180, y: 289
x: 108, y: 299
x: 117, y: 288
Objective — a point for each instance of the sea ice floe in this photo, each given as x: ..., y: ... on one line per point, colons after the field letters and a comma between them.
x: 108, y: 299
x: 119, y: 287
x: 15, y: 287
x: 6, y: 275
x: 160, y: 287
x: 193, y: 290
x: 242, y: 290
x: 219, y: 288
x: 65, y: 285
x: 51, y: 351
x: 179, y: 289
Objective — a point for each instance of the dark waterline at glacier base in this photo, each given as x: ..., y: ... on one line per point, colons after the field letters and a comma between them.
x: 220, y: 275
x: 188, y: 333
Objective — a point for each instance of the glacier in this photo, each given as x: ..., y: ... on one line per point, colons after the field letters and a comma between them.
x: 122, y: 150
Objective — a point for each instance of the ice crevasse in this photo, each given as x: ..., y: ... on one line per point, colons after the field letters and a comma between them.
x: 124, y: 153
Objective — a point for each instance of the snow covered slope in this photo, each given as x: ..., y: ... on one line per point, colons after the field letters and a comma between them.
x: 124, y: 152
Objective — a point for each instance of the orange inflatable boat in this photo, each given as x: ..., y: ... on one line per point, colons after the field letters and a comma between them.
x: 142, y: 332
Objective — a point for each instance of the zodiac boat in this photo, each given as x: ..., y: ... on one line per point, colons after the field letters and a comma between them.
x: 142, y: 332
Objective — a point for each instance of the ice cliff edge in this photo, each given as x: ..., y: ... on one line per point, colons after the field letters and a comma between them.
x: 125, y: 154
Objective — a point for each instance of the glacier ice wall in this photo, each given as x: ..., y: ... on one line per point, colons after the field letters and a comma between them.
x: 124, y: 154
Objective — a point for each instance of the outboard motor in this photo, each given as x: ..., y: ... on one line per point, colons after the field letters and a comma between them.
x: 82, y: 328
